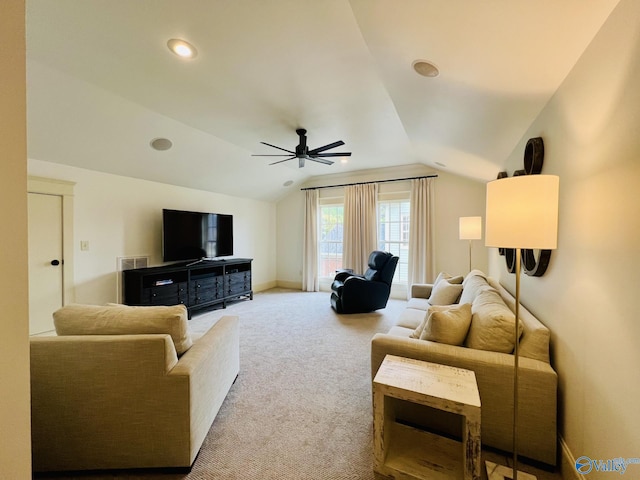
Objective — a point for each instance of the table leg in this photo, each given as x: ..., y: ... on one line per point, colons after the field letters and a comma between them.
x: 471, y: 447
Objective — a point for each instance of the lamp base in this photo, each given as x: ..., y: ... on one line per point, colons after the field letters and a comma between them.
x: 501, y: 472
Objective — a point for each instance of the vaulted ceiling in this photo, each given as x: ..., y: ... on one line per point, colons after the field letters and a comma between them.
x: 102, y: 84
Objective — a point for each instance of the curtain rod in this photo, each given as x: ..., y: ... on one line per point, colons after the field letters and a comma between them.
x: 373, y: 181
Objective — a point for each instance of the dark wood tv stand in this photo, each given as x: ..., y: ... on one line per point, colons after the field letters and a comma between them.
x: 195, y: 284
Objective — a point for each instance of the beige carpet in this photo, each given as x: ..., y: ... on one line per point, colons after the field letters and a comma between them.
x: 301, y: 407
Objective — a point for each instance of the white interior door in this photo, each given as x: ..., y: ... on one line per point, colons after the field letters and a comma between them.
x: 45, y: 260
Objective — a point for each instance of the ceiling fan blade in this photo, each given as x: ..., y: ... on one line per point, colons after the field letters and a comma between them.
x: 336, y: 154
x: 280, y: 161
x: 321, y: 160
x: 274, y: 155
x: 279, y: 148
x: 326, y: 147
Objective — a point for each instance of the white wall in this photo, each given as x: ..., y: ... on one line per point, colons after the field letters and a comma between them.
x: 15, y: 404
x: 591, y: 130
x: 458, y: 197
x: 122, y: 216
x: 454, y: 197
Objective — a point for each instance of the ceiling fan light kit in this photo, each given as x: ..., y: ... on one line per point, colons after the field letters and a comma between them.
x: 302, y: 152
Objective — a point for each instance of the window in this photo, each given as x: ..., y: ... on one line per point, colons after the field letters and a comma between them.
x: 330, y: 239
x: 393, y: 233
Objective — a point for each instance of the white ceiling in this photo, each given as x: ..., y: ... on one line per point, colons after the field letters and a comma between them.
x: 102, y: 84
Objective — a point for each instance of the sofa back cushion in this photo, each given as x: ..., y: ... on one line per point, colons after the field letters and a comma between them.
x: 492, y: 324
x: 115, y: 319
x: 472, y: 285
x: 535, y: 339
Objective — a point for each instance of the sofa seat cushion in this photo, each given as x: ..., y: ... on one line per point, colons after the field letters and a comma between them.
x: 411, y: 318
x: 492, y: 323
x: 398, y: 331
x: 419, y: 304
x: 115, y: 319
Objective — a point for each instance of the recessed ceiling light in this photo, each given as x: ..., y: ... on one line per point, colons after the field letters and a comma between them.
x: 287, y: 183
x: 441, y: 164
x: 425, y: 68
x: 182, y: 48
x: 161, y: 144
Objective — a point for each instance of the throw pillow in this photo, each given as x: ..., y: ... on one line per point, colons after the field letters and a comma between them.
x: 447, y: 324
x: 125, y: 320
x: 444, y: 293
x: 418, y: 331
x: 492, y: 324
x: 448, y: 277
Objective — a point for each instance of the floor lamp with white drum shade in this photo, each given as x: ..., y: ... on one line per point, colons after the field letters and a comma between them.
x: 521, y: 213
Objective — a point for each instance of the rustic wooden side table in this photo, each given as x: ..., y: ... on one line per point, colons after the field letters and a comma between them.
x: 402, y: 451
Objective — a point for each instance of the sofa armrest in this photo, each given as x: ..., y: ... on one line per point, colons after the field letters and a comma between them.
x: 342, y: 275
x: 421, y: 290
x: 210, y: 366
x: 220, y: 343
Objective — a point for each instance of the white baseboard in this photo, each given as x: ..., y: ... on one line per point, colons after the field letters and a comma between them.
x: 264, y: 286
x: 568, y: 462
x: 286, y: 284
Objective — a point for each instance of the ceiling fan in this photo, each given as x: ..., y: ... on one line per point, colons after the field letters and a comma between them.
x: 303, y: 153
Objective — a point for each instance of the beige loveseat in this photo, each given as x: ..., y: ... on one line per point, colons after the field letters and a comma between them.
x: 126, y: 387
x: 494, y: 371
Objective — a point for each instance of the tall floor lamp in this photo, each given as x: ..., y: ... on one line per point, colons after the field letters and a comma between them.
x: 470, y: 229
x: 521, y: 213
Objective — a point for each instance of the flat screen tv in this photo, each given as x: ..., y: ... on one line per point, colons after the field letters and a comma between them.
x: 195, y: 235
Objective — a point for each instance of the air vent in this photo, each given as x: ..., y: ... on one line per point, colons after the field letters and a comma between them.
x: 128, y: 263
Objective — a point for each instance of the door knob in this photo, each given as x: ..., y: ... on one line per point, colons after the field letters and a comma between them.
x: 55, y: 263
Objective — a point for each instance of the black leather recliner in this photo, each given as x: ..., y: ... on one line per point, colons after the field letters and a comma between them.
x: 365, y: 293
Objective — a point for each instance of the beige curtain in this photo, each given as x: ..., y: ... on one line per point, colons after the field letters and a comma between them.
x: 310, y: 281
x: 360, y: 226
x: 421, y: 253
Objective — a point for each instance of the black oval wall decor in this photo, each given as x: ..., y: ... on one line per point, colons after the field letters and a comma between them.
x: 533, y: 156
x: 510, y: 259
x: 535, y: 262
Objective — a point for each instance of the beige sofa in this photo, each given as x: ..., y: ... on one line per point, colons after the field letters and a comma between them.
x: 126, y: 387
x: 538, y: 381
